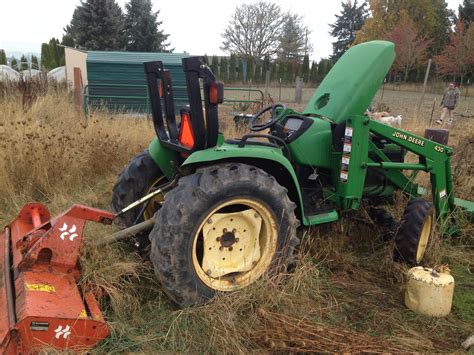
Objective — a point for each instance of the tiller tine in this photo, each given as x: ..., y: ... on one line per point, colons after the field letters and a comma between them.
x: 41, y: 304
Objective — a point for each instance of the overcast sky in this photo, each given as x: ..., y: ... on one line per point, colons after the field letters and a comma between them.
x: 194, y: 26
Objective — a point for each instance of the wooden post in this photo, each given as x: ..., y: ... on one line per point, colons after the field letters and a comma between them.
x: 78, y: 88
x: 299, y: 90
x: 424, y: 89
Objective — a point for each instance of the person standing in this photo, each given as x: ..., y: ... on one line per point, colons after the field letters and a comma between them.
x: 448, y: 103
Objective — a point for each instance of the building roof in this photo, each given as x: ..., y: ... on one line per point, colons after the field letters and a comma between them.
x: 134, y: 57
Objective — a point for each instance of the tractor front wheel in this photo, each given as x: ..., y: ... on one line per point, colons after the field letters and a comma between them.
x: 414, y: 233
x: 221, y: 229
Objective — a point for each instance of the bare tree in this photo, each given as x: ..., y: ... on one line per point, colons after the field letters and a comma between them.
x: 254, y: 30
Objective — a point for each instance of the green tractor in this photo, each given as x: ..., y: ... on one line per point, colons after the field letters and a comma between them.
x: 226, y: 211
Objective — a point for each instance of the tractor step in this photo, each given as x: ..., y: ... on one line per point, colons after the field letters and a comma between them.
x: 326, y: 217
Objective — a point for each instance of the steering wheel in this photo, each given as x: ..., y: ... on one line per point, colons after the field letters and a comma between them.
x: 254, y: 127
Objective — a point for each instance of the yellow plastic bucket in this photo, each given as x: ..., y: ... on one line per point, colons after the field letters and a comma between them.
x: 429, y: 292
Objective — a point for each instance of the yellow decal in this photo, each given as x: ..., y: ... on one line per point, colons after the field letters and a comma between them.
x: 41, y: 288
x: 408, y: 138
x: 83, y: 314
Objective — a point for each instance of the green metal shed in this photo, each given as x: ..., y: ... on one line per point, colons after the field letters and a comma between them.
x: 116, y: 80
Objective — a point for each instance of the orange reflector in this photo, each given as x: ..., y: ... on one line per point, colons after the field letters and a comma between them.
x: 216, y: 93
x: 160, y: 88
x: 186, y: 136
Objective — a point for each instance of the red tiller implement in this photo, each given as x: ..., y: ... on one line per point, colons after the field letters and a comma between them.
x: 41, y: 304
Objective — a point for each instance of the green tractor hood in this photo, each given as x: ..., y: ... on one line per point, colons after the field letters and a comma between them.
x: 352, y: 83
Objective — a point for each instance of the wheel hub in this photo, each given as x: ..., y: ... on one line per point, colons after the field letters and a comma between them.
x: 231, y: 242
x: 228, y: 238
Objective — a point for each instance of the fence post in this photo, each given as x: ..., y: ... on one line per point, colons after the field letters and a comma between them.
x: 77, y: 88
x: 424, y: 89
x: 299, y: 90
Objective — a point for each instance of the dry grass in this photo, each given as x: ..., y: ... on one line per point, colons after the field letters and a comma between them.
x: 346, y: 294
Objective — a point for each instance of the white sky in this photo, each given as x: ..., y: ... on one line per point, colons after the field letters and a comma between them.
x: 194, y: 26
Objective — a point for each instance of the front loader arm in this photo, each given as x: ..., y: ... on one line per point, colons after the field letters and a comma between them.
x: 434, y: 158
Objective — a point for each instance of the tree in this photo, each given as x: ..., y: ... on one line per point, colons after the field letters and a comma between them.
x: 432, y: 20
x: 324, y: 66
x: 52, y: 55
x: 215, y: 65
x: 250, y: 69
x: 34, y: 62
x: 254, y: 29
x: 240, y: 72
x: 457, y: 58
x: 232, y: 66
x: 3, y: 57
x: 466, y: 12
x: 258, y: 72
x: 98, y: 25
x: 14, y: 64
x: 23, y: 62
x: 223, y: 69
x: 142, y: 28
x: 350, y: 20
x: 313, y: 76
x: 294, y: 39
x: 410, y: 46
x: 305, y: 68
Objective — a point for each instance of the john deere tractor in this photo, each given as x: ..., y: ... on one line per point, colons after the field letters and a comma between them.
x: 226, y: 211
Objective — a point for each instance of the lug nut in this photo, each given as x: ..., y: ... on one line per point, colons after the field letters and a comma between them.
x: 224, y: 230
x: 209, y: 221
x: 218, y: 239
x: 234, y: 230
x: 236, y: 240
x: 221, y: 248
x: 230, y: 248
x: 208, y: 272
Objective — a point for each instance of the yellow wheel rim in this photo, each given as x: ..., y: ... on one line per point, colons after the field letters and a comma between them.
x: 234, y: 244
x: 155, y: 201
x: 424, y: 238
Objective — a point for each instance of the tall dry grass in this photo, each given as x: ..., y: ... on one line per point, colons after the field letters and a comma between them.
x: 47, y: 150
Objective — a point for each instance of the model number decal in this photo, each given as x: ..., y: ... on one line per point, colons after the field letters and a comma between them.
x: 408, y: 138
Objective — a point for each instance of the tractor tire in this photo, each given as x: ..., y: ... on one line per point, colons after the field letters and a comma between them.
x: 189, y: 245
x: 134, y: 182
x: 414, y: 232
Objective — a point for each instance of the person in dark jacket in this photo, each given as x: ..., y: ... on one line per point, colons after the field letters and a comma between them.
x: 448, y: 103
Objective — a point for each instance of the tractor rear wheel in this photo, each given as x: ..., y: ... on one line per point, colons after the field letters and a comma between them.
x: 415, y: 231
x: 134, y: 182
x: 221, y: 229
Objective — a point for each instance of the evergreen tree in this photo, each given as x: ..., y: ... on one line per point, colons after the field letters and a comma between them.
x: 240, y: 74
x: 34, y: 62
x: 289, y: 73
x: 466, y: 12
x: 258, y: 72
x: 250, y: 69
x: 274, y: 71
x: 223, y: 69
x: 67, y: 40
x: 305, y: 69
x: 54, y: 53
x: 350, y: 20
x: 215, y: 65
x: 142, y: 28
x: 313, y: 76
x: 45, y: 60
x: 232, y: 66
x: 324, y: 67
x: 14, y: 64
x: 281, y: 71
x: 265, y: 68
x: 98, y: 25
x: 23, y: 62
x: 294, y: 39
x: 3, y: 57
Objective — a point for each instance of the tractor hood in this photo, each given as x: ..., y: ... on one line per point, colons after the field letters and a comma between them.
x: 350, y: 86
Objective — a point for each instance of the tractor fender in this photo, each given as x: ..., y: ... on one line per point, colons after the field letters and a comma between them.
x: 269, y: 159
x: 165, y: 158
